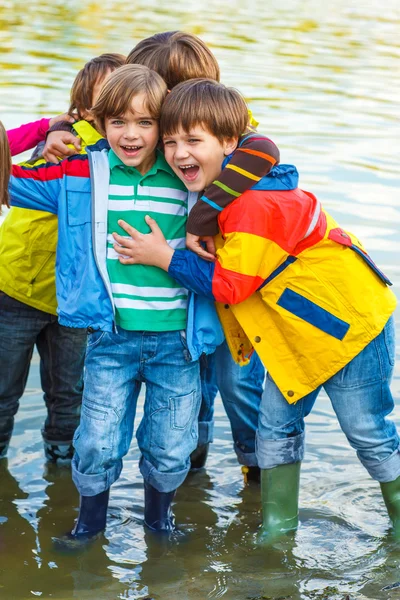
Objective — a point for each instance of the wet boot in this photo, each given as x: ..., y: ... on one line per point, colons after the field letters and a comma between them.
x: 280, y: 500
x: 58, y: 451
x: 198, y: 457
x: 251, y: 474
x: 158, y: 515
x: 91, y: 521
x: 92, y: 515
x: 391, y: 496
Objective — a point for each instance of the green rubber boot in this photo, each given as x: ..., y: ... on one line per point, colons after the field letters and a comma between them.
x: 280, y: 500
x: 391, y: 496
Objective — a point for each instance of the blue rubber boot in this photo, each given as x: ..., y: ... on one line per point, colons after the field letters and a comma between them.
x: 158, y: 515
x: 91, y: 521
x: 92, y: 515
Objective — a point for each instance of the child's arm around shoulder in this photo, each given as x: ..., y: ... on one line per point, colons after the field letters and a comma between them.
x: 27, y: 136
x: 253, y: 159
x: 36, y: 187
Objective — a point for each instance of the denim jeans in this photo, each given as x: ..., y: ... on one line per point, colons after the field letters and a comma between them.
x: 61, y: 350
x: 116, y: 365
x: 362, y: 400
x: 241, y: 389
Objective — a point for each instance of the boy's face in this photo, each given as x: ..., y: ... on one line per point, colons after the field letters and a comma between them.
x: 197, y: 156
x: 134, y: 136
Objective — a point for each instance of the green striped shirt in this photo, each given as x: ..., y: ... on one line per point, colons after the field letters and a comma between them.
x: 146, y: 298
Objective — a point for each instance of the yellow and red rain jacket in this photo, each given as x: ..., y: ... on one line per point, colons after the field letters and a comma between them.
x: 291, y: 284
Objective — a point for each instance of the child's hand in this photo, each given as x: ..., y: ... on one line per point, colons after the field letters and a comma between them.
x: 193, y: 244
x: 143, y: 248
x: 56, y: 146
x: 64, y: 117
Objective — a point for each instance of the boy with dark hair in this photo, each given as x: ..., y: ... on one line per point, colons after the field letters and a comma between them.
x: 295, y: 287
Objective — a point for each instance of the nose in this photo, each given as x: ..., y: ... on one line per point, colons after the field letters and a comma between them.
x: 181, y: 151
x: 131, y: 132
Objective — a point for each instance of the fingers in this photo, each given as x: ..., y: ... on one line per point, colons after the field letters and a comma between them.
x: 152, y: 223
x: 134, y: 233
x: 204, y: 254
x: 210, y: 244
x: 50, y: 157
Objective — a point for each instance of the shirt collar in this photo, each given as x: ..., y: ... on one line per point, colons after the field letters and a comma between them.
x: 159, y: 165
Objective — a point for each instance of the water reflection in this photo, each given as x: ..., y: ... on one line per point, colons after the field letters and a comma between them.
x: 324, y: 82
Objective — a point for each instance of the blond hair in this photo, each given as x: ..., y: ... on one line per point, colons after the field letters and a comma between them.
x: 5, y: 166
x: 219, y: 109
x: 82, y: 89
x: 176, y: 56
x: 120, y: 88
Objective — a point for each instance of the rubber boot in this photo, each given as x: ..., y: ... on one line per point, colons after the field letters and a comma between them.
x: 280, y: 500
x: 58, y: 451
x: 391, y: 496
x: 92, y: 515
x: 198, y: 457
x: 158, y: 515
x: 251, y: 474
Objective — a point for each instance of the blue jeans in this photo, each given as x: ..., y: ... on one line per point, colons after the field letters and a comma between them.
x: 116, y: 365
x: 61, y: 350
x: 362, y: 400
x: 241, y: 389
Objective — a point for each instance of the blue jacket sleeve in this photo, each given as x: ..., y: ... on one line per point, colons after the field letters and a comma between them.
x: 193, y: 272
x: 37, y: 187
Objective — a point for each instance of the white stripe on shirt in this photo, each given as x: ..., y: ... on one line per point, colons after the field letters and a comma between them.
x: 150, y: 304
x: 145, y: 291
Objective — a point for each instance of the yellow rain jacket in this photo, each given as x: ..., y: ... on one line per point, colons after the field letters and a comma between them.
x: 28, y: 240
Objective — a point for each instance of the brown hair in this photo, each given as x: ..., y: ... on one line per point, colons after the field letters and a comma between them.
x: 116, y: 96
x: 5, y: 166
x: 176, y: 56
x: 219, y: 109
x: 82, y: 88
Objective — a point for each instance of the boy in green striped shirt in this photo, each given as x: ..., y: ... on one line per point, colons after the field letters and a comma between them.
x: 148, y: 344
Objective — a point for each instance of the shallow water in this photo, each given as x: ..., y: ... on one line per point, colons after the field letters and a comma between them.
x: 324, y: 82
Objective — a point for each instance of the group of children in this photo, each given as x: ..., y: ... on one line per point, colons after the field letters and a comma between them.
x: 286, y: 281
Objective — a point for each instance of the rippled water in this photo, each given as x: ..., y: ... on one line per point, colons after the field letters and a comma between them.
x: 323, y: 79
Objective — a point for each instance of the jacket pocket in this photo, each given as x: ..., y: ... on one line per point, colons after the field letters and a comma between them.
x: 313, y: 314
x: 340, y: 236
x: 78, y: 201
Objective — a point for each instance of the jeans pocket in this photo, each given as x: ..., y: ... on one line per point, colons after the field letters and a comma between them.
x: 182, y: 410
x: 94, y: 338
x: 94, y: 411
x: 389, y: 338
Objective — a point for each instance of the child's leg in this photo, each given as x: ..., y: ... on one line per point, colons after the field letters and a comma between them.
x: 168, y: 432
x: 19, y: 327
x: 209, y: 392
x: 62, y: 353
x: 280, y: 450
x: 361, y: 397
x: 111, y: 389
x: 241, y: 390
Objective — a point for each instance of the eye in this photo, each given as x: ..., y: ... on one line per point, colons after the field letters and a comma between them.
x: 116, y: 122
x: 193, y: 140
x: 169, y: 142
x: 146, y: 123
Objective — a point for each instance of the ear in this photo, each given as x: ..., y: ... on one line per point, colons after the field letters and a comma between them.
x: 230, y: 144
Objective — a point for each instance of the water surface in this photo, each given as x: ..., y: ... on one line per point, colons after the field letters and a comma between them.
x: 323, y: 79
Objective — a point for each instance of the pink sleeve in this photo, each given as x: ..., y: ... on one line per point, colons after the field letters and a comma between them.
x: 27, y: 136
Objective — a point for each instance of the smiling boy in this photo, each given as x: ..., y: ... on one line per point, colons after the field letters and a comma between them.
x: 295, y: 286
x: 136, y: 316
